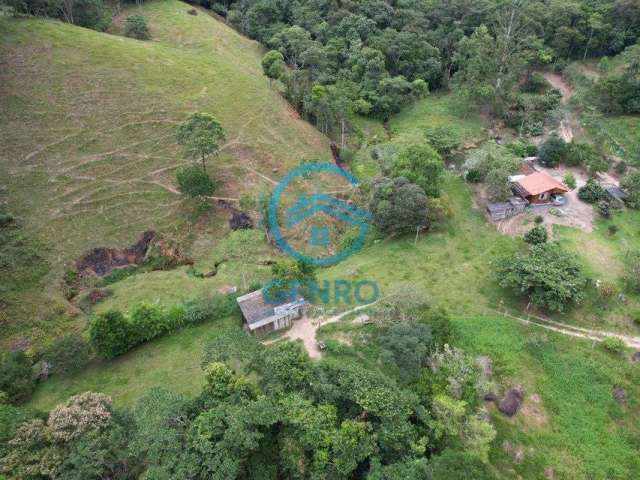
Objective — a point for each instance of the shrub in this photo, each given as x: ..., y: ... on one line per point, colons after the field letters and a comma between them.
x: 581, y: 154
x: 632, y: 270
x: 536, y: 235
x: 175, y: 317
x: 110, y: 334
x: 538, y: 220
x: 553, y: 151
x: 523, y: 150
x: 631, y: 185
x: 569, y: 180
x: 6, y: 219
x: 147, y: 322
x: 443, y: 139
x: 550, y: 277
x: 422, y: 165
x: 208, y: 308
x: 16, y: 380
x: 613, y: 345
x: 606, y: 290
x: 592, y: 192
x: 498, y: 184
x: 67, y: 354
x: 439, y: 211
x: 136, y: 27
x: 194, y: 181
x: 473, y: 175
x: 603, y: 207
x: 11, y: 418
x: 612, y: 229
x: 535, y: 83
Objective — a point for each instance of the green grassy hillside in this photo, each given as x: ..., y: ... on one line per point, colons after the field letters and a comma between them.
x: 87, y: 147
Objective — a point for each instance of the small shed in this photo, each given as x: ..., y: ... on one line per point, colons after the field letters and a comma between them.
x: 502, y: 210
x: 539, y: 187
x: 262, y: 317
x: 614, y: 192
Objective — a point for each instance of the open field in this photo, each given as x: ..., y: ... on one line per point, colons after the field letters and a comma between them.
x: 87, y: 147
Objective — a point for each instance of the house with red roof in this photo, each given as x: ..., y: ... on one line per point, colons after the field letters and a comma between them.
x: 539, y: 188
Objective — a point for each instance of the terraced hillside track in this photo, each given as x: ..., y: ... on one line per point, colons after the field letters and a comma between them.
x: 87, y: 130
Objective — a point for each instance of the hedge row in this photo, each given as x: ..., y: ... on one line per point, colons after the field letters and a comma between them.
x: 113, y: 333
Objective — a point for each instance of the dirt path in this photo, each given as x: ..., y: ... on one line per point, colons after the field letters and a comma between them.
x: 579, y: 332
x: 305, y: 329
x: 559, y: 84
x: 569, y: 125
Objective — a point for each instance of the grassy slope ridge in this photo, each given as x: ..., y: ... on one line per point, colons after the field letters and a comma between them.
x: 87, y: 121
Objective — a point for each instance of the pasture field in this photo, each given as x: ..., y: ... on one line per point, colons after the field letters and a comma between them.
x: 87, y: 139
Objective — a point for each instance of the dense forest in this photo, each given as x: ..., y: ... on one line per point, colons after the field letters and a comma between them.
x: 372, y: 57
x: 283, y: 416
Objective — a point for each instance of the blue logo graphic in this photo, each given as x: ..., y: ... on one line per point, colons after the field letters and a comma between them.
x: 307, y: 206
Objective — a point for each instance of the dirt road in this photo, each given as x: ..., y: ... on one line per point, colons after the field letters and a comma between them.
x: 579, y: 332
x: 305, y: 329
x: 569, y: 125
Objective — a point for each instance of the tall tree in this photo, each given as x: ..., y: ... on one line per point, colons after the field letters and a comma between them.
x: 201, y: 135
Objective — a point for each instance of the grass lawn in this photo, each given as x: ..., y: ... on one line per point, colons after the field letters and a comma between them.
x: 87, y: 137
x: 602, y: 255
x: 451, y: 266
x: 438, y: 110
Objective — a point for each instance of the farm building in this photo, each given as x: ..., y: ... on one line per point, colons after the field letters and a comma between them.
x: 539, y: 188
x: 502, y: 210
x: 262, y: 317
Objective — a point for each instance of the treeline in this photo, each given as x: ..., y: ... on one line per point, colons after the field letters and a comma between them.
x: 111, y: 333
x: 342, y: 56
x: 279, y: 415
x: 94, y: 14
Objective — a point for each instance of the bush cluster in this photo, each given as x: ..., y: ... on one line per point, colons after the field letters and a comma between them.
x: 523, y: 150
x: 136, y: 27
x: 16, y: 382
x: 113, y: 333
x: 536, y: 235
x: 592, y: 192
x: 194, y: 181
x: 553, y: 151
